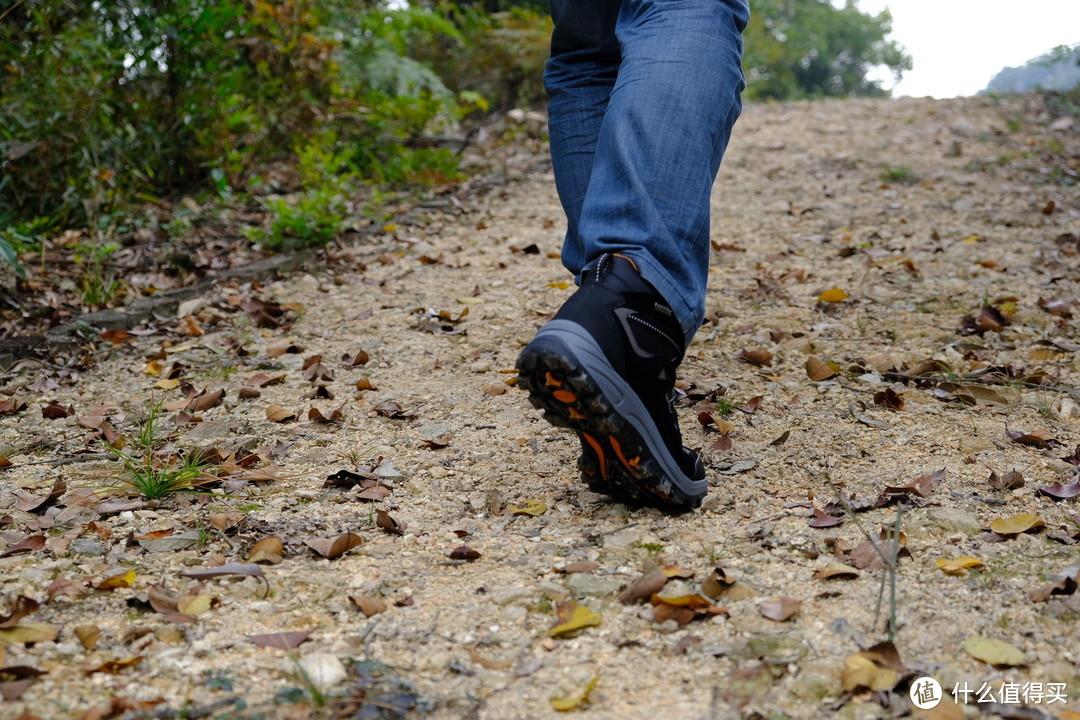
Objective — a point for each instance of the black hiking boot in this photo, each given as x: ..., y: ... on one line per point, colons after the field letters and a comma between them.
x: 605, y: 368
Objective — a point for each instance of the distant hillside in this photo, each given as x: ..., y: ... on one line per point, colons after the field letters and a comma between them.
x: 1058, y: 69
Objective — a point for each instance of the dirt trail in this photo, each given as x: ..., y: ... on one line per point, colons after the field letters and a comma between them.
x: 921, y: 211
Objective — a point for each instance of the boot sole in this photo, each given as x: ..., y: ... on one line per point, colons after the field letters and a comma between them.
x: 569, y: 378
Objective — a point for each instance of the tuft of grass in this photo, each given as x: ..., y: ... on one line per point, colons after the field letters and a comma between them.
x: 898, y: 174
x: 154, y: 479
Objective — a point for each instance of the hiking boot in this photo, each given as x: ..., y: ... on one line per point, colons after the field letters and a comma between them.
x: 604, y: 367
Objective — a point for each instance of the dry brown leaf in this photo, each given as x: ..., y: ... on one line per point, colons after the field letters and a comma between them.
x: 817, y: 370
x: 282, y: 640
x: 279, y: 414
x: 23, y: 606
x: 779, y: 608
x: 369, y: 605
x: 268, y: 550
x: 385, y: 521
x: 761, y: 358
x: 335, y: 548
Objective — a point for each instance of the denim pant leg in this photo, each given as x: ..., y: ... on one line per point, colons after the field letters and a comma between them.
x: 652, y: 141
x: 579, y: 76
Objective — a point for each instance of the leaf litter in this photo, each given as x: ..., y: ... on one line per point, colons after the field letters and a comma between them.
x: 871, y: 394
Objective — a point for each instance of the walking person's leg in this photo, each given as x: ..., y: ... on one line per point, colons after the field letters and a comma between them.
x: 637, y: 203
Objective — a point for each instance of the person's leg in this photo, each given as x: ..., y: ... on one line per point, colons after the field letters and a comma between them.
x: 664, y: 132
x: 579, y: 76
x: 634, y: 163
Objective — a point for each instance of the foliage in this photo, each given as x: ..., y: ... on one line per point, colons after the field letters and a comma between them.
x: 499, y: 55
x: 103, y: 104
x: 1058, y: 70
x: 808, y: 48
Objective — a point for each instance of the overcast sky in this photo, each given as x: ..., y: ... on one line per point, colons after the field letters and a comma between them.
x: 958, y: 45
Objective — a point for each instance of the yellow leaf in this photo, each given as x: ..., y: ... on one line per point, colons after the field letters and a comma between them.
x: 194, y: 604
x: 974, y: 237
x: 559, y: 285
x: 121, y: 580
x: 29, y: 633
x: 569, y: 703
x: 577, y: 618
x: 994, y: 652
x: 833, y: 295
x: 529, y: 507
x: 390, y: 228
x: 837, y: 569
x: 154, y: 367
x: 1016, y: 524
x: 958, y: 565
x: 170, y: 384
x: 862, y: 672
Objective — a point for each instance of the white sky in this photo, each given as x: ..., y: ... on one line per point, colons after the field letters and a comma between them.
x: 958, y: 45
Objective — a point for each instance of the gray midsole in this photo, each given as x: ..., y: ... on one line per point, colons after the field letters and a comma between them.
x: 620, y: 395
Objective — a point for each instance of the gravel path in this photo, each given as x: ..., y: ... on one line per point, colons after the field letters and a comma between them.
x: 879, y: 266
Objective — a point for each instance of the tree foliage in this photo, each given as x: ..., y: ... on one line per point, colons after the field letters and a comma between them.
x: 1058, y: 70
x: 809, y: 48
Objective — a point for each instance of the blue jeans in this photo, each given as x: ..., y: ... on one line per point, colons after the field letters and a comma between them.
x: 643, y: 96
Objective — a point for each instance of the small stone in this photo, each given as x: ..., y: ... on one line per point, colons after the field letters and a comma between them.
x: 86, y: 546
x: 512, y: 595
x: 323, y: 670
x: 954, y: 520
x: 816, y: 681
x: 480, y: 367
x: 587, y: 584
x: 974, y: 445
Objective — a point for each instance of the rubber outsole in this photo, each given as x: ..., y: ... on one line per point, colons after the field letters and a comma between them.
x: 623, y: 455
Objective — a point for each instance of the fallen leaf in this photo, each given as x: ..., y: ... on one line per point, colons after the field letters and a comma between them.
x: 114, y: 667
x: 53, y: 411
x: 836, y: 570
x: 194, y: 604
x: 573, y: 701
x: 335, y: 548
x: 464, y: 552
x: 824, y: 520
x: 817, y: 370
x: 861, y: 671
x: 23, y: 606
x: 833, y: 295
x: 279, y: 414
x: 1061, y: 492
x: 205, y: 400
x: 29, y: 633
x: 1016, y: 524
x: 573, y: 617
x: 117, y: 580
x: 369, y: 605
x: 232, y: 568
x: 779, y: 608
x: 643, y: 587
x: 719, y: 585
x: 1064, y: 586
x: 268, y: 550
x: 384, y: 520
x: 30, y: 544
x: 282, y: 640
x: 535, y: 508
x: 761, y: 358
x: 889, y: 398
x: 88, y: 636
x: 994, y: 652
x: 957, y: 565
x: 1012, y: 479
